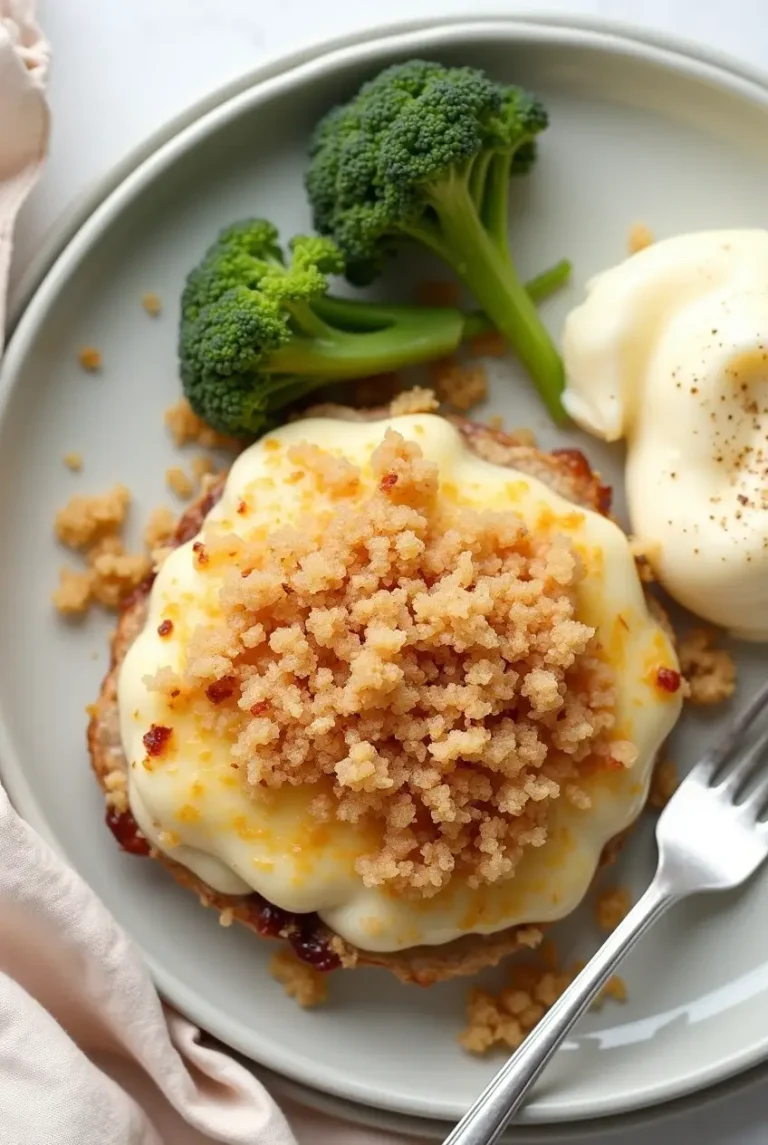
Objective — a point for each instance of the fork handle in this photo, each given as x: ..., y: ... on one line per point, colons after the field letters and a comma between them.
x: 485, y: 1121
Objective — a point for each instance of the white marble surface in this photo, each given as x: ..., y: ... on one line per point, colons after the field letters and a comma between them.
x: 122, y: 68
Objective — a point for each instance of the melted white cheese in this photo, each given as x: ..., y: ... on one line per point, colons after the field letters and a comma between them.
x: 194, y: 807
x: 670, y: 350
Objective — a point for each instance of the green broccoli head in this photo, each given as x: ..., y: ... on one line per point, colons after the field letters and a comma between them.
x: 425, y: 153
x: 375, y: 160
x: 241, y: 255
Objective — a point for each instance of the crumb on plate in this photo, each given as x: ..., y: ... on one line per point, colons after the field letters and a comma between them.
x: 461, y: 386
x: 160, y: 527
x: 664, y: 783
x: 611, y: 907
x: 307, y: 986
x: 185, y: 426
x: 506, y: 1018
x: 179, y: 482
x: 710, y: 671
x: 84, y: 519
x: 73, y: 461
x: 152, y: 304
x: 74, y: 593
x: 639, y: 237
x: 90, y: 358
x: 416, y: 400
x: 117, y: 574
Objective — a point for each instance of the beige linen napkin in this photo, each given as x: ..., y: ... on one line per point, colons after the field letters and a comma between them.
x: 88, y: 1055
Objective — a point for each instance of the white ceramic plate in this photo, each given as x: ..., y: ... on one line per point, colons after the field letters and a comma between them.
x: 639, y: 133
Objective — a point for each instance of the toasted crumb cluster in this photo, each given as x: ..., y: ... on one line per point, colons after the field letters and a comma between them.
x: 186, y: 427
x: 505, y: 1019
x: 73, y: 461
x: 417, y: 400
x: 460, y: 386
x: 611, y: 907
x: 640, y: 237
x: 664, y: 784
x: 152, y: 304
x: 420, y: 664
x: 710, y: 671
x: 179, y: 482
x: 90, y: 359
x: 160, y: 528
x: 93, y: 527
x: 300, y: 981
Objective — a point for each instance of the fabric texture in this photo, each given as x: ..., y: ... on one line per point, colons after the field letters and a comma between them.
x: 88, y: 1053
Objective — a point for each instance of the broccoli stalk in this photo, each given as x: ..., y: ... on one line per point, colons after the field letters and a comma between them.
x: 257, y: 335
x: 426, y: 153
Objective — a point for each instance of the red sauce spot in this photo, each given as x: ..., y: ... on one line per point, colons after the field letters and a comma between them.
x: 305, y: 933
x: 199, y: 550
x: 668, y: 680
x: 604, y: 499
x: 242, y: 508
x: 220, y: 689
x: 165, y: 628
x: 260, y: 708
x: 126, y: 830
x: 156, y: 739
x: 388, y: 481
x: 575, y: 460
x: 614, y: 765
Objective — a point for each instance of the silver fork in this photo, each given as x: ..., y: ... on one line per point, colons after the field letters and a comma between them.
x: 711, y: 837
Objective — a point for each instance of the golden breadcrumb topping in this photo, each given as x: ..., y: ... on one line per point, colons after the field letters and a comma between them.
x: 504, y: 1019
x: 639, y: 237
x: 611, y: 907
x: 307, y: 986
x: 664, y: 784
x: 152, y: 304
x: 179, y: 482
x: 73, y: 461
x: 84, y: 520
x: 461, y: 386
x: 160, y: 527
x: 90, y: 359
x: 710, y: 671
x: 74, y: 592
x: 420, y: 664
x: 417, y: 400
x: 185, y: 426
x: 116, y: 574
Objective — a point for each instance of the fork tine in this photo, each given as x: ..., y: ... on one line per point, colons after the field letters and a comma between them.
x: 745, y: 766
x: 721, y: 753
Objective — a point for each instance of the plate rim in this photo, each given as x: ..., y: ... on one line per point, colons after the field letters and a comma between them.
x: 62, y: 250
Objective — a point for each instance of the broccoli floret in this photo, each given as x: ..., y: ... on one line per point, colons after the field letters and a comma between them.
x: 425, y: 152
x: 258, y: 333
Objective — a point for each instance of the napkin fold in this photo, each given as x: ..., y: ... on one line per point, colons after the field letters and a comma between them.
x: 88, y: 1053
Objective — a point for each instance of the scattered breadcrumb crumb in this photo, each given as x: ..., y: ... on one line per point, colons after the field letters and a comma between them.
x: 639, y: 238
x: 152, y: 303
x: 83, y: 520
x: 524, y: 436
x: 202, y: 466
x: 116, y: 785
x: 439, y: 293
x: 331, y: 678
x: 491, y: 344
x: 179, y: 482
x: 73, y: 461
x: 611, y: 907
x: 664, y: 784
x: 116, y: 574
x: 506, y: 1018
x: 307, y: 986
x: 226, y: 916
x: 710, y: 671
x: 417, y: 400
x: 160, y: 527
x: 461, y: 386
x: 74, y: 593
x: 185, y: 426
x: 90, y: 359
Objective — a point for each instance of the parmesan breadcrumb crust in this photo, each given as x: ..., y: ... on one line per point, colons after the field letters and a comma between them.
x: 710, y: 671
x: 420, y: 665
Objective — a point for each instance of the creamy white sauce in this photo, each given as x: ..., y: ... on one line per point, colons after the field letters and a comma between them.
x: 196, y: 809
x: 670, y: 351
